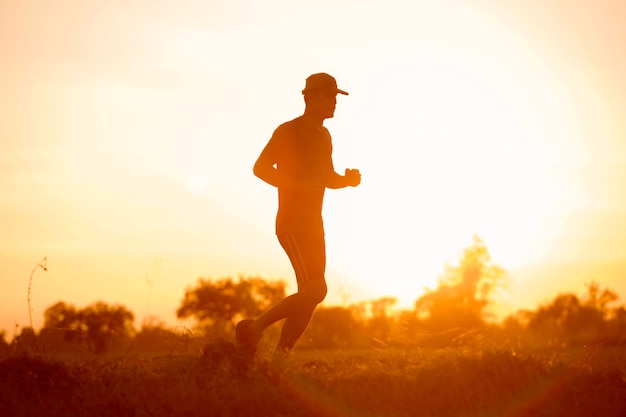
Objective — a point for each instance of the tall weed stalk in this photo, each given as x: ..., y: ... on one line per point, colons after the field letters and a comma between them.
x: 43, y: 264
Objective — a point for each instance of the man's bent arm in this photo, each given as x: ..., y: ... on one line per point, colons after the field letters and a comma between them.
x: 264, y: 169
x: 335, y: 180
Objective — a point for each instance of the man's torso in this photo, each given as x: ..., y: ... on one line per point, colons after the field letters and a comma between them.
x: 302, y: 152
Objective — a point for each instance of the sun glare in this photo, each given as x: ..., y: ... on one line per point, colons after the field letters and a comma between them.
x: 197, y: 184
x: 448, y: 154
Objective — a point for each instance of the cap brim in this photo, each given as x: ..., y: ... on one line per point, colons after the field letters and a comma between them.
x: 338, y: 91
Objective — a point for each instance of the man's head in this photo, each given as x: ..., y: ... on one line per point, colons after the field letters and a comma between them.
x: 322, y: 82
x: 320, y: 94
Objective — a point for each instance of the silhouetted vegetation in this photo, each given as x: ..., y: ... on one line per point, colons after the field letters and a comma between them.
x: 98, y: 326
x: 4, y: 345
x: 463, y: 294
x: 216, y: 304
x: 155, y: 337
x: 569, y: 320
x: 447, y: 356
x: 456, y: 313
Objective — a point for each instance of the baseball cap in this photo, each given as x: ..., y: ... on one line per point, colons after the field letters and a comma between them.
x: 322, y: 81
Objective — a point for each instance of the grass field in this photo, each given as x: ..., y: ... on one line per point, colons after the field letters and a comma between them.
x: 459, y: 382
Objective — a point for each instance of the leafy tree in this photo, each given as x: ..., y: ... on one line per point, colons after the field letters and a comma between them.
x: 464, y: 292
x: 598, y: 300
x: 99, y: 324
x: 105, y: 324
x: 26, y: 340
x: 215, y: 304
x: 61, y: 319
x: 571, y: 320
x: 557, y: 320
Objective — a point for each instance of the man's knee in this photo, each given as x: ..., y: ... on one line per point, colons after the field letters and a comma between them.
x: 315, y: 291
x: 319, y: 294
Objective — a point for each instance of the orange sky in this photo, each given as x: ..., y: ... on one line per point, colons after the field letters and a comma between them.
x: 128, y: 134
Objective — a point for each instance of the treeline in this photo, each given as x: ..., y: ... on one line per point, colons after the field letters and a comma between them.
x: 458, y: 312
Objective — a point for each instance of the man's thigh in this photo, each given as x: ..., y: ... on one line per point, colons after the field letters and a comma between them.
x: 307, y: 253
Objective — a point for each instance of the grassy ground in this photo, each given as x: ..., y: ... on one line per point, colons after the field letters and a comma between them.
x: 411, y: 382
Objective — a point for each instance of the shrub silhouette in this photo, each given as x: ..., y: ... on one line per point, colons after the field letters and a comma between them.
x: 99, y: 324
x: 463, y: 294
x: 215, y: 304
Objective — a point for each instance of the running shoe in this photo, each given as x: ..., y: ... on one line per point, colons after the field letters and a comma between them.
x: 245, y: 340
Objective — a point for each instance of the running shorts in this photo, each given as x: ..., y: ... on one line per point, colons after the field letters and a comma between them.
x: 307, y: 253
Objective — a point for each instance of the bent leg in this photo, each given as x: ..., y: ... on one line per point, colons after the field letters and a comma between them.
x: 313, y: 293
x: 307, y: 254
x: 299, y: 306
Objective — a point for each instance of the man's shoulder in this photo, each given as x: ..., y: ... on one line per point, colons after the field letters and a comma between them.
x: 290, y: 125
x: 299, y: 127
x: 288, y: 130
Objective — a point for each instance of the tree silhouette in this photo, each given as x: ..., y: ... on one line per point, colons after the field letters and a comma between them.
x: 570, y: 320
x: 26, y: 340
x: 598, y: 300
x: 215, y: 304
x: 61, y: 319
x: 463, y: 293
x: 105, y: 324
x: 558, y: 319
x: 99, y: 325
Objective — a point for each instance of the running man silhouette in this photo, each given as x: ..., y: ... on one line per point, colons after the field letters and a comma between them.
x: 298, y: 161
